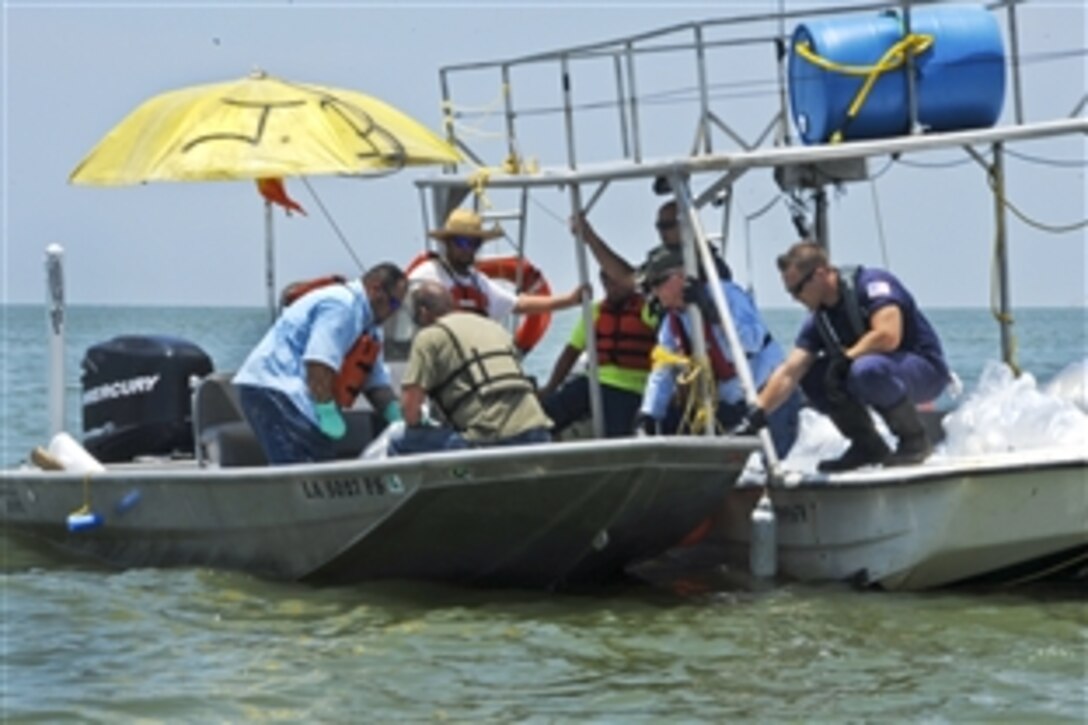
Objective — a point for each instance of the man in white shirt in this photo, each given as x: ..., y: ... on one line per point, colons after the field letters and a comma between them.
x: 455, y: 268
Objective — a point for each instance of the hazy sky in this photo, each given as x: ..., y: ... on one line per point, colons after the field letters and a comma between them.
x: 72, y: 70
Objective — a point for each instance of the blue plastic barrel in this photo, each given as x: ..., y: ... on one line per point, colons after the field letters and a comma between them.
x: 960, y: 79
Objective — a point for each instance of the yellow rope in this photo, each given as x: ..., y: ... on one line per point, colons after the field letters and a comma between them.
x: 481, y: 175
x: 697, y: 376
x: 86, y: 507
x: 893, y: 58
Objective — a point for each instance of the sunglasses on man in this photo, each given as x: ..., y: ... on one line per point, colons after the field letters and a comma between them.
x: 798, y: 288
x: 467, y: 243
x: 391, y: 298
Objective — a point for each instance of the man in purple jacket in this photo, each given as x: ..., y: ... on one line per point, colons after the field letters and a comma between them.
x: 864, y: 344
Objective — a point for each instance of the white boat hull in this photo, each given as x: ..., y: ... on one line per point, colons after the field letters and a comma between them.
x: 923, y: 526
x: 531, y: 516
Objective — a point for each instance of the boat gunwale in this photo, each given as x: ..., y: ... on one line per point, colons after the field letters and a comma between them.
x: 1004, y: 463
x: 186, y: 469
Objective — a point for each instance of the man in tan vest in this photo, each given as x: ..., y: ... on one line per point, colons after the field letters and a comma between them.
x: 467, y: 365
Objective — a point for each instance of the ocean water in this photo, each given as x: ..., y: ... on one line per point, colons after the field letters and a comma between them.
x: 83, y: 643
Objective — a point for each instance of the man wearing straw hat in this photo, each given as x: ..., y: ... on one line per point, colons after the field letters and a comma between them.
x: 454, y: 267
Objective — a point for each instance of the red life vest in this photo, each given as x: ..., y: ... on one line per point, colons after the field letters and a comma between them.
x: 466, y: 297
x: 623, y: 338
x: 359, y: 360
x: 723, y: 369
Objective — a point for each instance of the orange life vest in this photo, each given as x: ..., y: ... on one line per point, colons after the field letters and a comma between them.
x: 517, y: 270
x: 723, y: 368
x: 466, y: 297
x: 359, y: 360
x: 623, y: 337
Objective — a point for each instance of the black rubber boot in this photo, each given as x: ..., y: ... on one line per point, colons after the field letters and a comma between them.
x: 866, y: 446
x: 914, y: 445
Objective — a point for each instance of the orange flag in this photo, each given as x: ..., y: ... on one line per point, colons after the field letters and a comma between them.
x: 273, y: 191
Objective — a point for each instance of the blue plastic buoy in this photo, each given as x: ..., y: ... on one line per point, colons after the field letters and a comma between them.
x: 127, y: 501
x: 83, y: 521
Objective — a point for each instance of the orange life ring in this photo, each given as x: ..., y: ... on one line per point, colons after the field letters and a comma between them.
x: 532, y: 327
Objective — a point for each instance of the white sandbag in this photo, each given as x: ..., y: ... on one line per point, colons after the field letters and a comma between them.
x: 67, y: 451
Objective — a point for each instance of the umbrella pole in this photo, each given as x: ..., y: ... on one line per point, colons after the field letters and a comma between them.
x: 269, y: 260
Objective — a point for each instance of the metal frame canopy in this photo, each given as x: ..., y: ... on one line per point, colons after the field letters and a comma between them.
x: 716, y: 171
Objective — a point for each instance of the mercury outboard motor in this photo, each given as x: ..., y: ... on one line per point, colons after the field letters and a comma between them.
x: 137, y: 398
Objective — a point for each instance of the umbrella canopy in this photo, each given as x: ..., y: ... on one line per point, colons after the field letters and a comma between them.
x: 259, y: 127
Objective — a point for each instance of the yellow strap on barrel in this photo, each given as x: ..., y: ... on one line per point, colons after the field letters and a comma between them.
x: 893, y: 59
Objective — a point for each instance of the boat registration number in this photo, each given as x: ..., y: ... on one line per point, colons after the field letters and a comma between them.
x: 344, y: 488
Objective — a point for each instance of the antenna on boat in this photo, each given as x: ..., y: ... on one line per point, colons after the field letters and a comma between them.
x: 54, y: 283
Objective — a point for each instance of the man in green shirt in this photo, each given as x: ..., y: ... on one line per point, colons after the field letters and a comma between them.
x: 625, y: 334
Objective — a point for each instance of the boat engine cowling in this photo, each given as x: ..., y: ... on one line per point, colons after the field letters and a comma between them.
x: 137, y: 396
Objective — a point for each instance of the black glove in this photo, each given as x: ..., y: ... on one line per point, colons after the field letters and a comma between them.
x: 754, y: 420
x: 645, y: 426
x: 835, y: 379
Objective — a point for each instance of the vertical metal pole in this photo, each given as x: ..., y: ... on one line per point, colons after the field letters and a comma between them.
x: 270, y: 260
x: 447, y: 112
x: 912, y: 90
x: 820, y: 197
x: 54, y: 282
x: 1008, y: 354
x: 695, y: 243
x: 508, y: 101
x: 688, y: 224
x: 1014, y: 62
x: 704, y: 100
x: 780, y: 53
x: 633, y: 89
x: 621, y: 106
x: 596, y: 406
x: 727, y: 215
x: 519, y: 275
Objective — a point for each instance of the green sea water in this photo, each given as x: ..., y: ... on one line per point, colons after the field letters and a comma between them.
x: 84, y: 643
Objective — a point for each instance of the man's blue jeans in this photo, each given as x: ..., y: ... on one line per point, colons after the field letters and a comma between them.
x: 425, y: 439
x: 570, y: 403
x: 285, y: 434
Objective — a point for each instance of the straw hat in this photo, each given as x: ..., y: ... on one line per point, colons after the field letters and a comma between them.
x: 465, y: 223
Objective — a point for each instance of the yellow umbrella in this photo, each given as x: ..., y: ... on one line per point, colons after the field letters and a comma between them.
x: 260, y: 128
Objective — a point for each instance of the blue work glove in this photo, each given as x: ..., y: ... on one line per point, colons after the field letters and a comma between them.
x: 754, y: 420
x: 393, y: 412
x: 330, y: 421
x: 835, y: 379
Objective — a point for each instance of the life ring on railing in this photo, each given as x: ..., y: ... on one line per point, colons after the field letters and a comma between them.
x: 532, y: 327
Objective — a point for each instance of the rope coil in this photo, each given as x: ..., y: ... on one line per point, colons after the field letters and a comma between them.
x: 697, y: 375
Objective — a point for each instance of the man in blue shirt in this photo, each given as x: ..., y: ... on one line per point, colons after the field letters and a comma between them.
x: 865, y: 343
x: 664, y: 275
x: 290, y: 383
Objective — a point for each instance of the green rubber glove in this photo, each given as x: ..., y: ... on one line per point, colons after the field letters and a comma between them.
x: 329, y: 420
x: 393, y: 412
